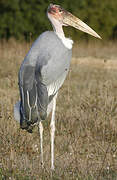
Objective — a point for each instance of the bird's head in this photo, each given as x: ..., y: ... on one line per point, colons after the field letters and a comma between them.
x: 59, y: 15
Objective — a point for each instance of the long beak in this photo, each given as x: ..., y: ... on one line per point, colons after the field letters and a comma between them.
x: 75, y: 22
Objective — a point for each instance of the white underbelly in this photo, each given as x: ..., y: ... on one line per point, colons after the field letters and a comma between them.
x: 53, y: 89
x: 55, y: 86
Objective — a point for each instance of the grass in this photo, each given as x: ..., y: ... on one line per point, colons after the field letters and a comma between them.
x: 86, y: 119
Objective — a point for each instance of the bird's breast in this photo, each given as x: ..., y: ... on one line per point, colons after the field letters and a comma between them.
x: 68, y: 43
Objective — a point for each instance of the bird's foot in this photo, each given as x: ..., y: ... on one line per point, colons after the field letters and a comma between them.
x: 42, y: 165
x: 52, y: 167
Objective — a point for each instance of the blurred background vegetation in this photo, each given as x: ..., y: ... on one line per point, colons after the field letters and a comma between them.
x: 25, y: 19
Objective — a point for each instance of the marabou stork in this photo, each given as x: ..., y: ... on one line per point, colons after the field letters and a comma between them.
x: 43, y: 72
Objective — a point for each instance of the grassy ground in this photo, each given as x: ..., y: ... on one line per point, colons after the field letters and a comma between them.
x: 86, y: 119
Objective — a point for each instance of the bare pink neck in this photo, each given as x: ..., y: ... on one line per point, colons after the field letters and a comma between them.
x: 59, y: 30
x: 57, y: 27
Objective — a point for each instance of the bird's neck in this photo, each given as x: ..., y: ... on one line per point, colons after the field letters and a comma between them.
x: 60, y: 33
x: 57, y: 27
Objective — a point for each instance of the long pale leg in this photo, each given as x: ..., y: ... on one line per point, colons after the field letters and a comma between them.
x: 41, y: 141
x: 52, y: 131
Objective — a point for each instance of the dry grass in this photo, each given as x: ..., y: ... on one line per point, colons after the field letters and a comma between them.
x: 97, y: 49
x: 86, y: 119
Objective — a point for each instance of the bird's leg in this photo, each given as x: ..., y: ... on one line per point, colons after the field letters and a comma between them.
x: 52, y: 131
x: 41, y: 141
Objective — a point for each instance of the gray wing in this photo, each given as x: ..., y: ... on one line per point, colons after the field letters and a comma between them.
x: 42, y: 73
x: 34, y: 97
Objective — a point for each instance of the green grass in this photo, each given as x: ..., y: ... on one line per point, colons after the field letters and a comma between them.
x: 86, y: 124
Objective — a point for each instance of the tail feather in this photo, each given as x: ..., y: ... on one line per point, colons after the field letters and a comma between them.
x: 17, y: 111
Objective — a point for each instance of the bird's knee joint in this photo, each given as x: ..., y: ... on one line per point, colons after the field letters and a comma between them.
x: 41, y: 127
x: 52, y: 127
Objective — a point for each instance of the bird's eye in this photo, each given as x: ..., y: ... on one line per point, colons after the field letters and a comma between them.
x: 60, y: 10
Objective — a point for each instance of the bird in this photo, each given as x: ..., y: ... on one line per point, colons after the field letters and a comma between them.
x: 43, y: 71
